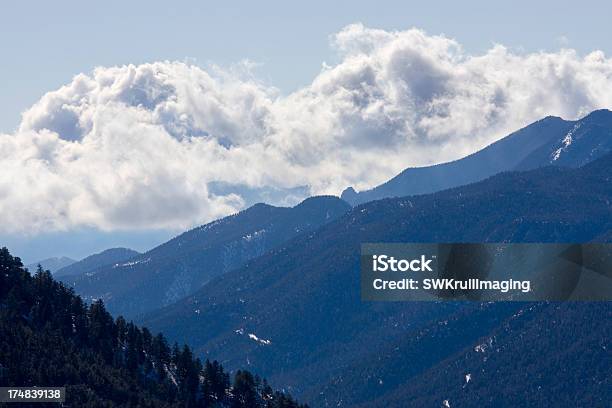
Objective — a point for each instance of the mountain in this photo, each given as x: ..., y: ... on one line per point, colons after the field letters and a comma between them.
x: 588, y: 139
x: 551, y: 140
x: 108, y: 257
x: 544, y: 352
x: 50, y: 338
x: 180, y: 266
x: 296, y: 311
x: 52, y: 264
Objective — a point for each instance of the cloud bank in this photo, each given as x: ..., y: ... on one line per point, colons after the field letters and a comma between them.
x: 147, y: 146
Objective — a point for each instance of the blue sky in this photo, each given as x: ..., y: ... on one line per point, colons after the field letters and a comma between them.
x: 45, y: 43
x: 130, y: 156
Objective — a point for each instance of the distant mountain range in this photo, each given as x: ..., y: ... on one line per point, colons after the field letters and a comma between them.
x: 52, y: 264
x: 64, y: 266
x: 182, y: 265
x: 278, y: 288
x: 550, y: 141
x: 295, y: 313
x: 108, y: 257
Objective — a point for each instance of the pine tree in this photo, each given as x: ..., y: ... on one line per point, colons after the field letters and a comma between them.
x: 244, y: 391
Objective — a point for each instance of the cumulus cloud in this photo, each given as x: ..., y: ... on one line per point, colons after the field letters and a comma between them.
x: 148, y: 146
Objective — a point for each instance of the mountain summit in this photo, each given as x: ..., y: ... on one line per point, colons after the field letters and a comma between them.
x: 551, y: 140
x: 180, y: 266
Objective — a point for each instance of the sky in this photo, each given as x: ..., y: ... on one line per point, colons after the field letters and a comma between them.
x: 44, y: 44
x: 127, y: 122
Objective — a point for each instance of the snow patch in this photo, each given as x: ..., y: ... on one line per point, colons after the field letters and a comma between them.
x: 481, y: 348
x: 265, y: 342
x: 253, y: 235
x: 132, y: 263
x: 567, y: 141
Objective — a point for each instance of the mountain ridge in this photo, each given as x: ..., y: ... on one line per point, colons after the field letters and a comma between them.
x: 181, y: 265
x: 302, y: 299
x: 528, y: 148
x: 92, y: 262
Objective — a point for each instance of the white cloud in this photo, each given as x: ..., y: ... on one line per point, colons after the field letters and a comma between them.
x: 142, y: 146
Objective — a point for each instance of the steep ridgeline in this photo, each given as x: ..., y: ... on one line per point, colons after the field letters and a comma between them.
x: 550, y: 141
x: 50, y: 338
x: 108, y: 257
x: 180, y: 266
x: 296, y: 312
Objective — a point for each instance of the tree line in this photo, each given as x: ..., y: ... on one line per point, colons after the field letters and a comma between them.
x: 50, y: 337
